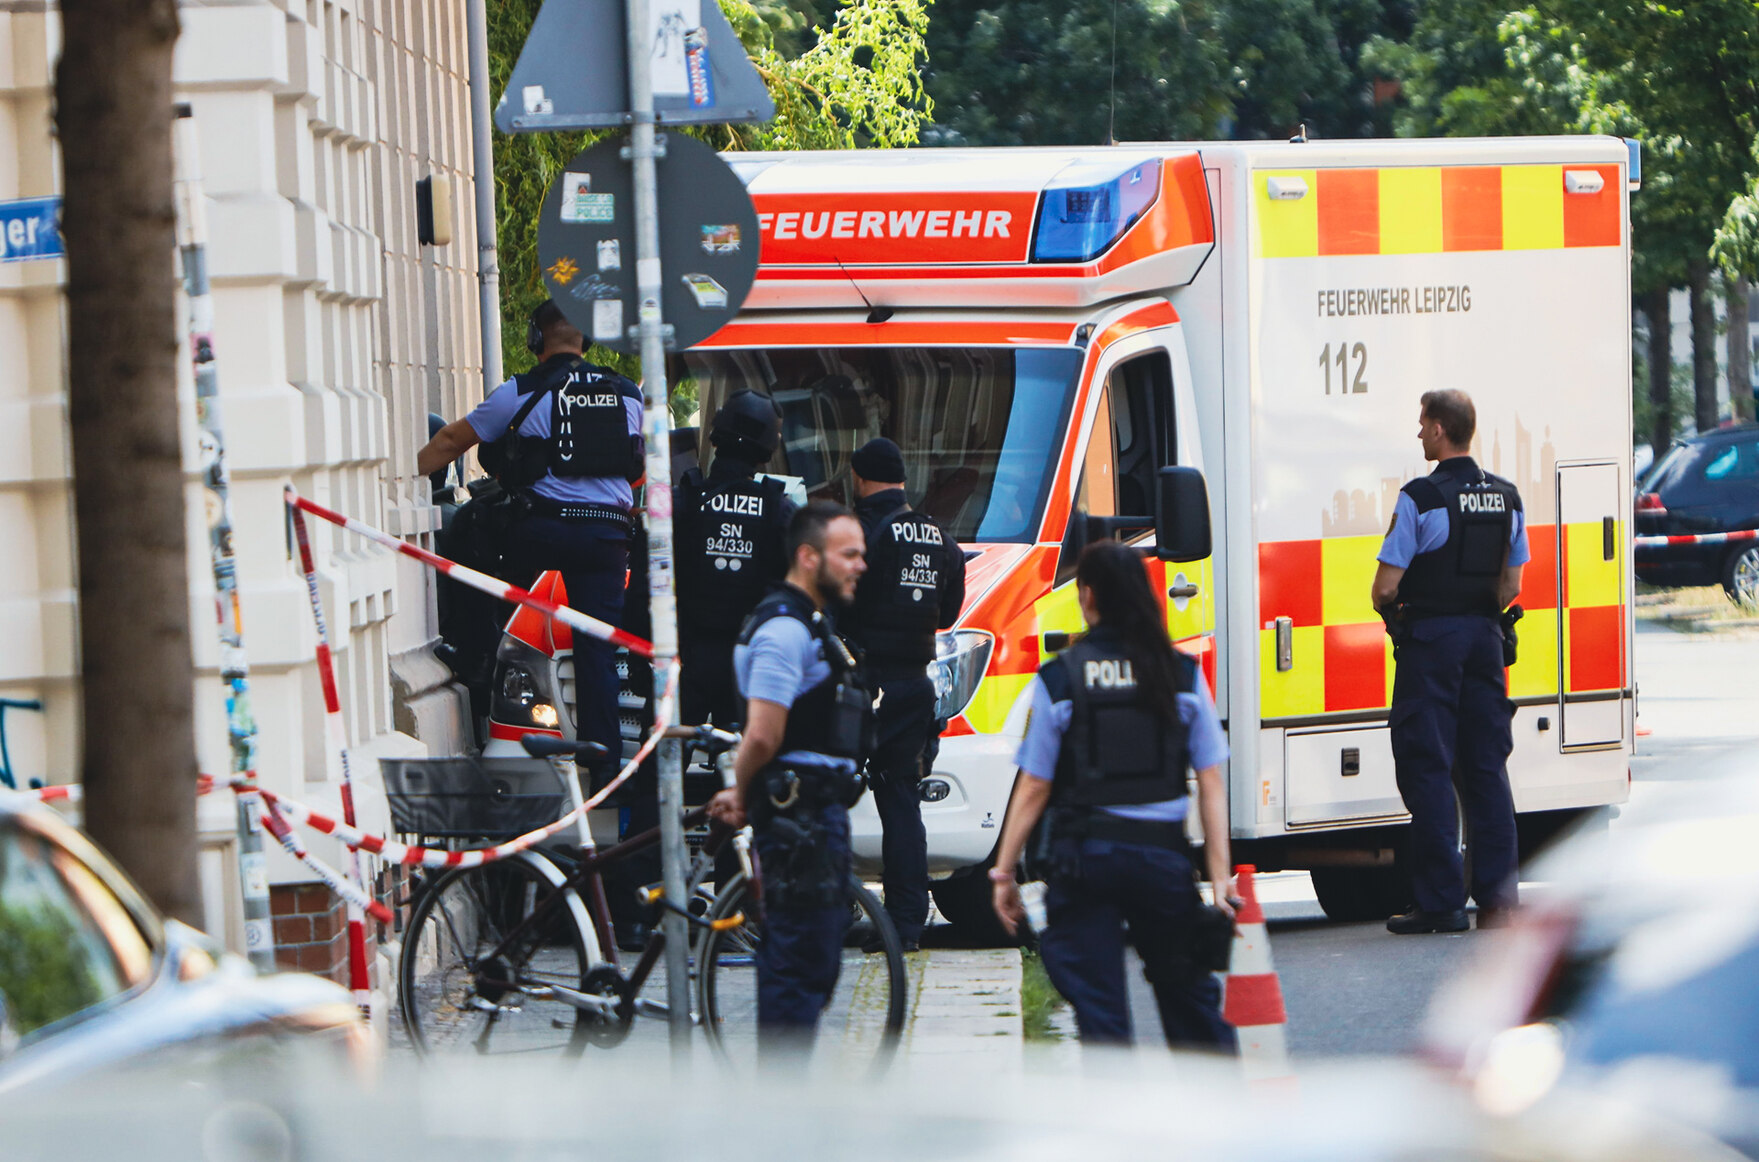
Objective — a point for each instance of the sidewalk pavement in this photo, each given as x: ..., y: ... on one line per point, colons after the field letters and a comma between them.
x: 965, y: 1007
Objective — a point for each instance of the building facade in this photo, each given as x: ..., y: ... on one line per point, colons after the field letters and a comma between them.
x: 336, y: 335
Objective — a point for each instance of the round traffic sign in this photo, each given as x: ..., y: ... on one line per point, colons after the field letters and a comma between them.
x: 708, y: 243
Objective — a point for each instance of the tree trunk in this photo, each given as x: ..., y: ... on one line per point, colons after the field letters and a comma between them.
x: 113, y: 115
x: 1657, y: 307
x: 1703, y: 345
x: 1740, y: 351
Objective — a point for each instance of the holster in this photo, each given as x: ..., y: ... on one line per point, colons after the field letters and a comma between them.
x: 1398, y: 623
x: 1510, y: 640
x: 1212, y: 939
x: 787, y: 810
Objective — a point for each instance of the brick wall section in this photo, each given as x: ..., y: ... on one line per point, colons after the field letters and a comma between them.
x: 311, y: 927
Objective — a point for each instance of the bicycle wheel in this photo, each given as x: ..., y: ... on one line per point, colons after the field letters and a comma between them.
x: 860, y: 1028
x: 462, y: 991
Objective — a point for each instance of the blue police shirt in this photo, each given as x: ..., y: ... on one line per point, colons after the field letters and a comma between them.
x: 784, y: 660
x: 1414, y: 532
x: 489, y: 420
x: 1049, y: 721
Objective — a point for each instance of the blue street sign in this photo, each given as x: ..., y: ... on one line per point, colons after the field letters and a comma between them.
x: 29, y: 229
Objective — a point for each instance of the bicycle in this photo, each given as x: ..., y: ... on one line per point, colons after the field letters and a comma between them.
x: 520, y: 956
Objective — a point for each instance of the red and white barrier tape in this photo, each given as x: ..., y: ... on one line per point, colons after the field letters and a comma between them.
x: 352, y: 893
x: 359, y: 976
x: 74, y: 792
x: 1696, y: 539
x: 494, y: 587
x: 409, y: 856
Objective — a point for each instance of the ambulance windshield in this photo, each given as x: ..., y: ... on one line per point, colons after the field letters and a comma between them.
x: 980, y: 427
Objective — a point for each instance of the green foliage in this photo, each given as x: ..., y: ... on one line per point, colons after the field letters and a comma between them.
x: 856, y: 82
x: 45, y: 971
x: 1039, y: 998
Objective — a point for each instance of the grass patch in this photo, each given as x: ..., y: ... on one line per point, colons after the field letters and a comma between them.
x: 1707, y: 603
x: 1039, y: 998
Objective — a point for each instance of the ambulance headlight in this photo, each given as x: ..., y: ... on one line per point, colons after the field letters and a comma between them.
x: 962, y: 655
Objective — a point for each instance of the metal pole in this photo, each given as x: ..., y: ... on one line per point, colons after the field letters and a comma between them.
x: 663, y: 601
x: 192, y: 223
x: 488, y: 264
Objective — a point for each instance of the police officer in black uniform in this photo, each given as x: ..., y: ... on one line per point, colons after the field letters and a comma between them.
x: 732, y: 541
x: 1116, y: 721
x: 914, y: 585
x: 1449, y: 567
x: 569, y: 440
x: 806, y: 719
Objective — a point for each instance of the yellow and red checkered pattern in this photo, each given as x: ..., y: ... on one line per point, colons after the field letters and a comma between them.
x: 1435, y: 209
x: 1343, y: 660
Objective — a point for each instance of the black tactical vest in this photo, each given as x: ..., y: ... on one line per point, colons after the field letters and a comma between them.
x: 1117, y: 751
x: 835, y: 717
x: 731, y: 546
x: 589, y: 428
x: 1463, y: 575
x: 898, y: 602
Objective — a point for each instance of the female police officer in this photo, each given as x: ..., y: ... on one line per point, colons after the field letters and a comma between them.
x: 1116, y: 719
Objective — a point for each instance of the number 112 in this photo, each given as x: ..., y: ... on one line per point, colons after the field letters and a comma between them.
x: 1346, y: 386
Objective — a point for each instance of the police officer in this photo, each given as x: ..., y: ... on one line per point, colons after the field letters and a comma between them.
x: 732, y: 538
x: 568, y: 435
x: 805, y: 717
x: 914, y: 585
x: 1449, y: 566
x: 1116, y: 720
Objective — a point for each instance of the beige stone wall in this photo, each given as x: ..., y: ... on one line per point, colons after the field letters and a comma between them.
x: 335, y: 333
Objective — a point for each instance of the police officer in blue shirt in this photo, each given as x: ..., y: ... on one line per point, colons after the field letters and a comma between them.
x: 1449, y: 567
x: 568, y: 437
x: 1116, y: 720
x: 806, y: 722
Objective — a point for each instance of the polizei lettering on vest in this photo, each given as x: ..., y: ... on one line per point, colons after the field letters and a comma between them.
x: 1482, y: 502
x: 917, y: 534
x: 1111, y: 674
x: 734, y: 504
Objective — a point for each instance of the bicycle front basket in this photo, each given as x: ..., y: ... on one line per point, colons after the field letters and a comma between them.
x: 471, y: 798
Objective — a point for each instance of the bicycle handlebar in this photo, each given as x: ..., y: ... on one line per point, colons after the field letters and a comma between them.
x: 543, y: 746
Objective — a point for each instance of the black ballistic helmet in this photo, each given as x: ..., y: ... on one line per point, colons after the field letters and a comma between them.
x: 748, y: 425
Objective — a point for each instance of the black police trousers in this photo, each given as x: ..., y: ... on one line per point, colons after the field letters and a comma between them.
x: 708, y: 689
x: 1450, y: 723
x: 1150, y: 890
x: 801, y: 953
x: 903, y: 726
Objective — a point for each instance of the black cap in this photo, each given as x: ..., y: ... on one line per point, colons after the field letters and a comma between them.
x: 880, y: 461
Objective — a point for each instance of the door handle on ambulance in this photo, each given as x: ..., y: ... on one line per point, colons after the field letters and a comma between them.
x: 1183, y: 592
x: 1285, y: 644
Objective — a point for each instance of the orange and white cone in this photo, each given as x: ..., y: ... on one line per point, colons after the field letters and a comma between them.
x: 1254, y: 999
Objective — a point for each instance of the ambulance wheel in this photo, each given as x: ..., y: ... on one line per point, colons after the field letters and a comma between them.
x: 1353, y: 894
x: 1740, y: 576
x: 966, y: 899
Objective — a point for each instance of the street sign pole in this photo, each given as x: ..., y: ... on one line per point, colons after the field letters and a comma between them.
x: 657, y: 426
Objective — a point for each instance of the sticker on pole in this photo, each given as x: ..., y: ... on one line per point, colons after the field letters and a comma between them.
x: 708, y: 243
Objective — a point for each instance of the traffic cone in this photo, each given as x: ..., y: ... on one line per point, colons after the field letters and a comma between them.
x: 1254, y: 999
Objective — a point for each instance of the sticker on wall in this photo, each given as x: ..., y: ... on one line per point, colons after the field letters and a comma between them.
x: 607, y: 320
x: 720, y: 239
x: 593, y: 287
x: 563, y: 271
x: 536, y: 102
x: 580, y: 204
x: 610, y: 254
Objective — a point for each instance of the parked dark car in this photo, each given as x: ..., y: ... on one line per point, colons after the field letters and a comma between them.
x: 1707, y: 484
x: 93, y: 979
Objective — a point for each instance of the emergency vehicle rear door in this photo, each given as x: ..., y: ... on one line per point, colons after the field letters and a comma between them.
x: 1591, y: 586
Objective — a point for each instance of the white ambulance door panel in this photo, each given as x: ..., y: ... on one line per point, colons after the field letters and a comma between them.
x: 1340, y: 775
x: 1592, y: 666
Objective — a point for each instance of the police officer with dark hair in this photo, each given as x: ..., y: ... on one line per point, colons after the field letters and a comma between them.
x: 567, y: 436
x: 915, y: 585
x: 1116, y: 720
x: 805, y: 721
x: 1449, y: 567
x: 732, y: 547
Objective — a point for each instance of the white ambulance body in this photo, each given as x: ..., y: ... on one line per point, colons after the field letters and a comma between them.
x: 1042, y: 330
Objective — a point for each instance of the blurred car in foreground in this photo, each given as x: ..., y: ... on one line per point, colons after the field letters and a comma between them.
x: 91, y: 977
x: 1635, y: 971
x: 1706, y: 484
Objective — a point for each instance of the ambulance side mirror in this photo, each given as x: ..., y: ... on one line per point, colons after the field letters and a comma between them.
x: 1181, y: 518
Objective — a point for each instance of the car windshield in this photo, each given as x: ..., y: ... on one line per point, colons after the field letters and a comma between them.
x: 1665, y: 469
x: 979, y: 427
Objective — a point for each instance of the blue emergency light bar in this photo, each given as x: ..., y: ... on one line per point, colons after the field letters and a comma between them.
x: 1088, y: 206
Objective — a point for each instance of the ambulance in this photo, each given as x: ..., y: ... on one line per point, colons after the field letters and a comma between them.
x: 1074, y: 343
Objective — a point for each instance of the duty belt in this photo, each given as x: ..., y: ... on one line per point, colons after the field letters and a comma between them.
x: 1144, y: 832
x: 580, y: 511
